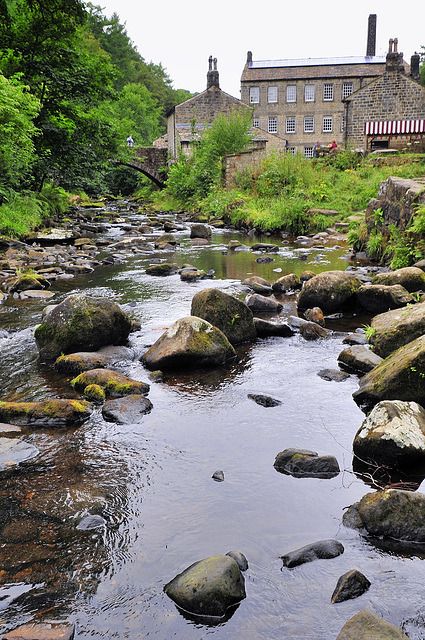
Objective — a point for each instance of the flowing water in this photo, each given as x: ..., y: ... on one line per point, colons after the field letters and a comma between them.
x: 151, y: 481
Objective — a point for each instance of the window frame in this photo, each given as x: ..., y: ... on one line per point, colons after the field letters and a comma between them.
x: 309, y: 93
x: 328, y: 119
x: 254, y: 92
x: 274, y: 90
x: 328, y: 92
x: 292, y: 120
x: 256, y: 122
x: 343, y: 92
x: 270, y: 120
x: 308, y: 119
x: 308, y: 152
x: 293, y: 91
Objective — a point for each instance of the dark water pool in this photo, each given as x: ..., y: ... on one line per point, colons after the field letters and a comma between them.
x: 151, y: 482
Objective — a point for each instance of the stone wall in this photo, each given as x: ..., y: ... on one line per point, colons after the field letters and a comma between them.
x: 236, y: 163
x: 397, y: 198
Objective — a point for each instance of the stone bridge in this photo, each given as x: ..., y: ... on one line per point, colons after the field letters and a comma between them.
x: 152, y: 162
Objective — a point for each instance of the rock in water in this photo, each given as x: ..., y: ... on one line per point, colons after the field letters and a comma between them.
x: 227, y: 313
x: 189, y: 343
x: 366, y: 625
x: 351, y: 585
x: 81, y: 323
x: 322, y: 550
x: 208, y: 587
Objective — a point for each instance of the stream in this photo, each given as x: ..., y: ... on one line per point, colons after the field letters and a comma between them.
x: 152, y: 484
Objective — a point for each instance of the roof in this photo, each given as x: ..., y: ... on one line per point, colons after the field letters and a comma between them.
x: 304, y: 68
x: 394, y: 127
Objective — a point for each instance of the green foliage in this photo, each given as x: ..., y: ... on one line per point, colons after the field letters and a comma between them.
x: 376, y: 245
x: 18, y: 108
x: 357, y: 236
x: 282, y: 173
x: 402, y: 249
x: 20, y: 213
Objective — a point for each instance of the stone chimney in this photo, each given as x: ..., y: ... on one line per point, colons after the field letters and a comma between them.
x: 371, y: 35
x: 394, y: 61
x: 414, y: 67
x: 212, y: 75
x: 249, y: 57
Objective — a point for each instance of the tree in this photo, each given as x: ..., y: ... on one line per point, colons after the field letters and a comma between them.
x: 18, y: 108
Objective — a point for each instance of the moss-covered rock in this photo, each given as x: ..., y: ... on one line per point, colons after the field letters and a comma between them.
x: 76, y: 363
x: 401, y: 376
x: 329, y: 290
x: 411, y: 278
x: 290, y: 282
x: 396, y: 328
x: 189, y: 343
x: 208, y: 587
x: 57, y: 413
x: 26, y: 282
x: 162, y: 269
x: 95, y: 393
x: 113, y: 383
x: 379, y: 298
x: 366, y: 625
x: 81, y: 323
x: 225, y: 312
x: 391, y: 513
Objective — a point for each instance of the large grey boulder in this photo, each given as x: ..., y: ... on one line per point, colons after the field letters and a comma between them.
x: 391, y: 513
x: 189, y: 343
x: 366, y: 625
x: 265, y: 328
x: 358, y: 358
x: 321, y: 550
x: 227, y: 313
x: 290, y: 282
x: 411, y: 278
x: 396, y: 328
x: 302, y: 463
x: 208, y: 587
x: 329, y: 290
x: 257, y: 302
x: 393, y: 434
x: 258, y: 285
x: 81, y: 323
x: 378, y: 298
x: 398, y: 377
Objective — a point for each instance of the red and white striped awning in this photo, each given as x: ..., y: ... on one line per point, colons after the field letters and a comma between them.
x: 394, y: 127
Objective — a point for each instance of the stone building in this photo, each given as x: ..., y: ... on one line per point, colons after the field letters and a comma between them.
x: 389, y: 112
x: 302, y: 100
x: 189, y: 118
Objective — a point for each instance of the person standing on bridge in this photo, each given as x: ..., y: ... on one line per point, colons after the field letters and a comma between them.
x: 130, y: 141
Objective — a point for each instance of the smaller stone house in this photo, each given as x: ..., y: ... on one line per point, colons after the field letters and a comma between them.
x: 388, y: 112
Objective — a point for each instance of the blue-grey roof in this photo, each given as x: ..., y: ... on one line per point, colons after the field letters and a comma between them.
x: 312, y: 62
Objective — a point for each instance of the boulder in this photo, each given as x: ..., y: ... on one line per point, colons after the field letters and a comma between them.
x: 14, y: 451
x: 302, y: 463
x: 42, y: 631
x: 321, y: 550
x: 264, y: 246
x: 393, y: 434
x: 378, y: 298
x: 411, y: 278
x: 315, y: 315
x: 258, y: 285
x: 240, y: 559
x: 26, y: 281
x: 57, y: 413
x: 329, y: 290
x: 115, y: 384
x: 398, y: 377
x: 264, y: 401
x: 200, y: 231
x: 350, y: 585
x: 162, y: 269
x: 264, y: 328
x: 81, y: 323
x: 366, y: 625
x: 396, y: 328
x: 189, y: 343
x: 227, y: 313
x: 289, y: 282
x: 312, y: 331
x: 75, y: 363
x: 257, y: 302
x: 391, y: 513
x: 333, y: 375
x: 208, y: 587
x: 126, y: 410
x: 358, y: 359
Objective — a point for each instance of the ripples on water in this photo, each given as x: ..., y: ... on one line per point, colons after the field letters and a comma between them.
x: 151, y: 481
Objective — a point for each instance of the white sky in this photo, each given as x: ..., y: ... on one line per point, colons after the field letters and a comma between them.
x: 182, y: 35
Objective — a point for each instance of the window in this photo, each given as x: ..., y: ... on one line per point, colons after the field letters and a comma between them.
x: 254, y: 95
x: 309, y: 124
x: 272, y: 128
x: 328, y: 92
x: 291, y: 93
x: 327, y: 124
x: 290, y: 124
x: 342, y: 124
x: 309, y: 93
x: 308, y: 152
x: 272, y: 94
x: 256, y: 122
x: 292, y: 150
x: 347, y: 89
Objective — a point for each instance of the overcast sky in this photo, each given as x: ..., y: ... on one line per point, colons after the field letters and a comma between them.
x: 182, y: 35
